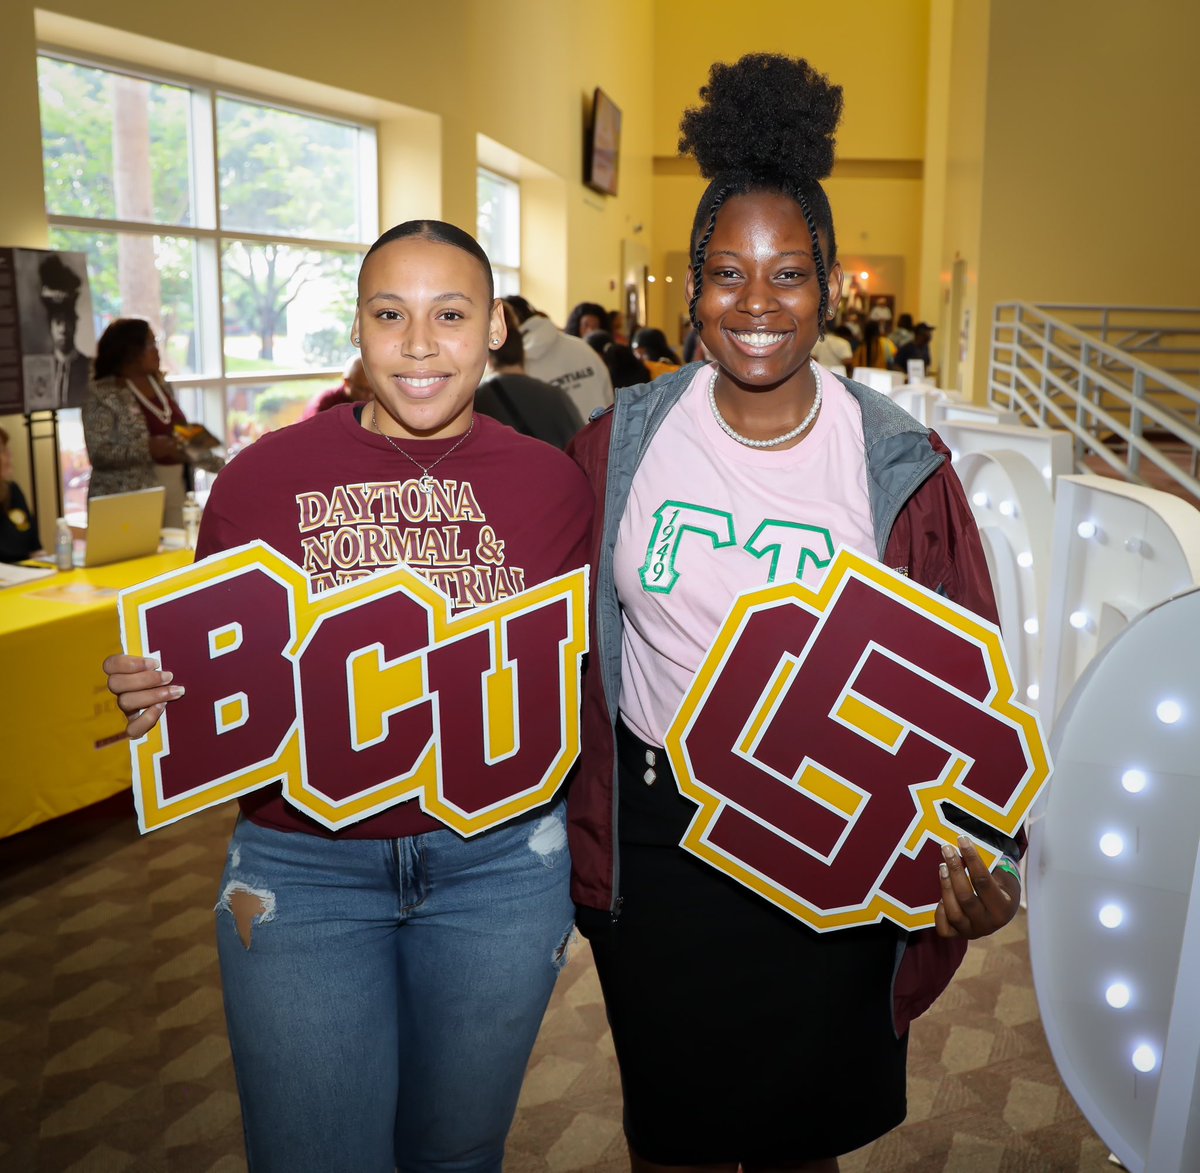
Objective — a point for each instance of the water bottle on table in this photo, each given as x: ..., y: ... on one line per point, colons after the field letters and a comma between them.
x: 191, y: 520
x: 64, y: 546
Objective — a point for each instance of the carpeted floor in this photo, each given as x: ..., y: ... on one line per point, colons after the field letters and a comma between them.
x: 114, y: 1054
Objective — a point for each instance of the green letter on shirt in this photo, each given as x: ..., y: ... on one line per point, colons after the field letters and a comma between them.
x: 788, y: 540
x: 672, y: 519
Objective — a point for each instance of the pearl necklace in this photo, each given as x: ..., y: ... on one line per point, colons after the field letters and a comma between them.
x: 160, y: 410
x: 425, y: 481
x: 804, y: 423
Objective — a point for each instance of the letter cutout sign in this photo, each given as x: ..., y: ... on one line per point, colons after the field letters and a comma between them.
x: 826, y: 730
x: 356, y: 698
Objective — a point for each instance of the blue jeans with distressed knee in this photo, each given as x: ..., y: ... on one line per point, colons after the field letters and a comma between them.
x: 382, y: 1013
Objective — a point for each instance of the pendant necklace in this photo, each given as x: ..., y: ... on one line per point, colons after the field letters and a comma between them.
x: 425, y: 481
x: 804, y: 423
x: 160, y: 410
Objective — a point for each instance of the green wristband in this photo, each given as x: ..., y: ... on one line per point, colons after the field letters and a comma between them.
x: 1005, y: 864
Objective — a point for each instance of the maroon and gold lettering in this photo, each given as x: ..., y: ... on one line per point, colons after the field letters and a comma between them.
x: 357, y: 697
x: 826, y: 731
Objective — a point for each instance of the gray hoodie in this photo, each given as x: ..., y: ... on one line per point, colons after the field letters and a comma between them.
x: 567, y: 362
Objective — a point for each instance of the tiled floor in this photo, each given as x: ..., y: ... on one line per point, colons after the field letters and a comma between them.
x: 114, y: 1051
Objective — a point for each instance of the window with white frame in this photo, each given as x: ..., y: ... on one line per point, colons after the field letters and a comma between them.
x: 498, y: 200
x: 234, y: 226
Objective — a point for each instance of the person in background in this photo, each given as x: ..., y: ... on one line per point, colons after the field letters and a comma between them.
x: 616, y: 326
x: 586, y: 317
x: 881, y: 313
x: 651, y: 346
x: 132, y: 424
x: 60, y: 296
x: 835, y: 349
x: 566, y: 362
x: 916, y: 348
x: 125, y: 394
x: 744, y: 1037
x: 353, y: 388
x: 624, y: 367
x: 903, y: 333
x: 875, y: 349
x: 514, y: 398
x: 18, y: 526
x: 694, y: 349
x: 598, y: 340
x: 852, y: 320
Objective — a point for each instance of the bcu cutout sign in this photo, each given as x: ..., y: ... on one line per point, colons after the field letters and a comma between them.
x: 826, y: 733
x: 356, y: 698
x: 823, y: 738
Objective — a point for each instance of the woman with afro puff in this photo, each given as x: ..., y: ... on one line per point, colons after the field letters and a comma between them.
x: 745, y: 1038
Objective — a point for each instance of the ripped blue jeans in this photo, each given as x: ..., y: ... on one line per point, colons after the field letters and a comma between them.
x: 383, y: 995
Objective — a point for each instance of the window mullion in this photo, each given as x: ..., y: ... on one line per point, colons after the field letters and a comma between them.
x: 208, y: 386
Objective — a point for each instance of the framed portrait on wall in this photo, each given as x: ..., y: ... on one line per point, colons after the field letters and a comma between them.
x: 47, y: 332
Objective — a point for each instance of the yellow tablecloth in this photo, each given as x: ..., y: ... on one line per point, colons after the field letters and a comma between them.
x: 63, y: 741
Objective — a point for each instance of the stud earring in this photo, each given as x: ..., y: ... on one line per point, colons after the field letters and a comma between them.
x: 495, y: 341
x: 356, y: 340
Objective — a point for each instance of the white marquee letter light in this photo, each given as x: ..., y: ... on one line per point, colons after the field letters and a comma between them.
x: 879, y: 379
x: 1014, y: 510
x: 970, y: 413
x: 1048, y: 451
x: 920, y: 402
x: 1114, y: 892
x: 1118, y: 549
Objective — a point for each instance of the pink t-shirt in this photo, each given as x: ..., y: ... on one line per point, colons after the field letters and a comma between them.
x: 708, y: 518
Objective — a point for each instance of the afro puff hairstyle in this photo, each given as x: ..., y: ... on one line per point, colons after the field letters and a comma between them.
x: 766, y: 123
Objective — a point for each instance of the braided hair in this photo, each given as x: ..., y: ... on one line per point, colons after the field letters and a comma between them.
x: 766, y: 123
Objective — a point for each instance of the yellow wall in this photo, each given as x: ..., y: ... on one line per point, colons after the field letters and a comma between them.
x: 432, y: 76
x: 1091, y: 155
x: 954, y: 178
x: 876, y: 52
x: 878, y: 57
x: 1071, y: 160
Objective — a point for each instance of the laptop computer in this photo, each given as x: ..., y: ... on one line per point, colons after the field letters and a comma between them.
x: 124, y: 525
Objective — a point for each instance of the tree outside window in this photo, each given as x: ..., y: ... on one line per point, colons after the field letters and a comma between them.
x: 233, y: 226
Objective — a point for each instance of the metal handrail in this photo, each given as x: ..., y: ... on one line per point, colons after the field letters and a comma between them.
x: 1057, y: 373
x: 1171, y: 334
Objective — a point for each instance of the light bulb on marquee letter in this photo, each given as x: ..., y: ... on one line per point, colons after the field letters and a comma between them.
x: 1016, y: 542
x: 1114, y: 892
x: 1098, y: 586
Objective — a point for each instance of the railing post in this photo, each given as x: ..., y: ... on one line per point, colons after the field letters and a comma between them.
x: 1081, y: 412
x: 1014, y: 357
x: 1134, y: 456
x: 1047, y: 333
x: 993, y: 343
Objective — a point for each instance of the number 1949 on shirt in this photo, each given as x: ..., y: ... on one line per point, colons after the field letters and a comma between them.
x: 356, y: 698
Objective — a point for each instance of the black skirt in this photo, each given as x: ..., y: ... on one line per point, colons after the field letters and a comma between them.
x: 741, y: 1034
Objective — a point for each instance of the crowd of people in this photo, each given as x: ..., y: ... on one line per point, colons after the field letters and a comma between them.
x: 382, y: 1008
x: 854, y: 341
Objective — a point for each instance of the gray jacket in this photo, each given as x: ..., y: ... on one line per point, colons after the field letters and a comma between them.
x: 923, y: 527
x: 900, y: 457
